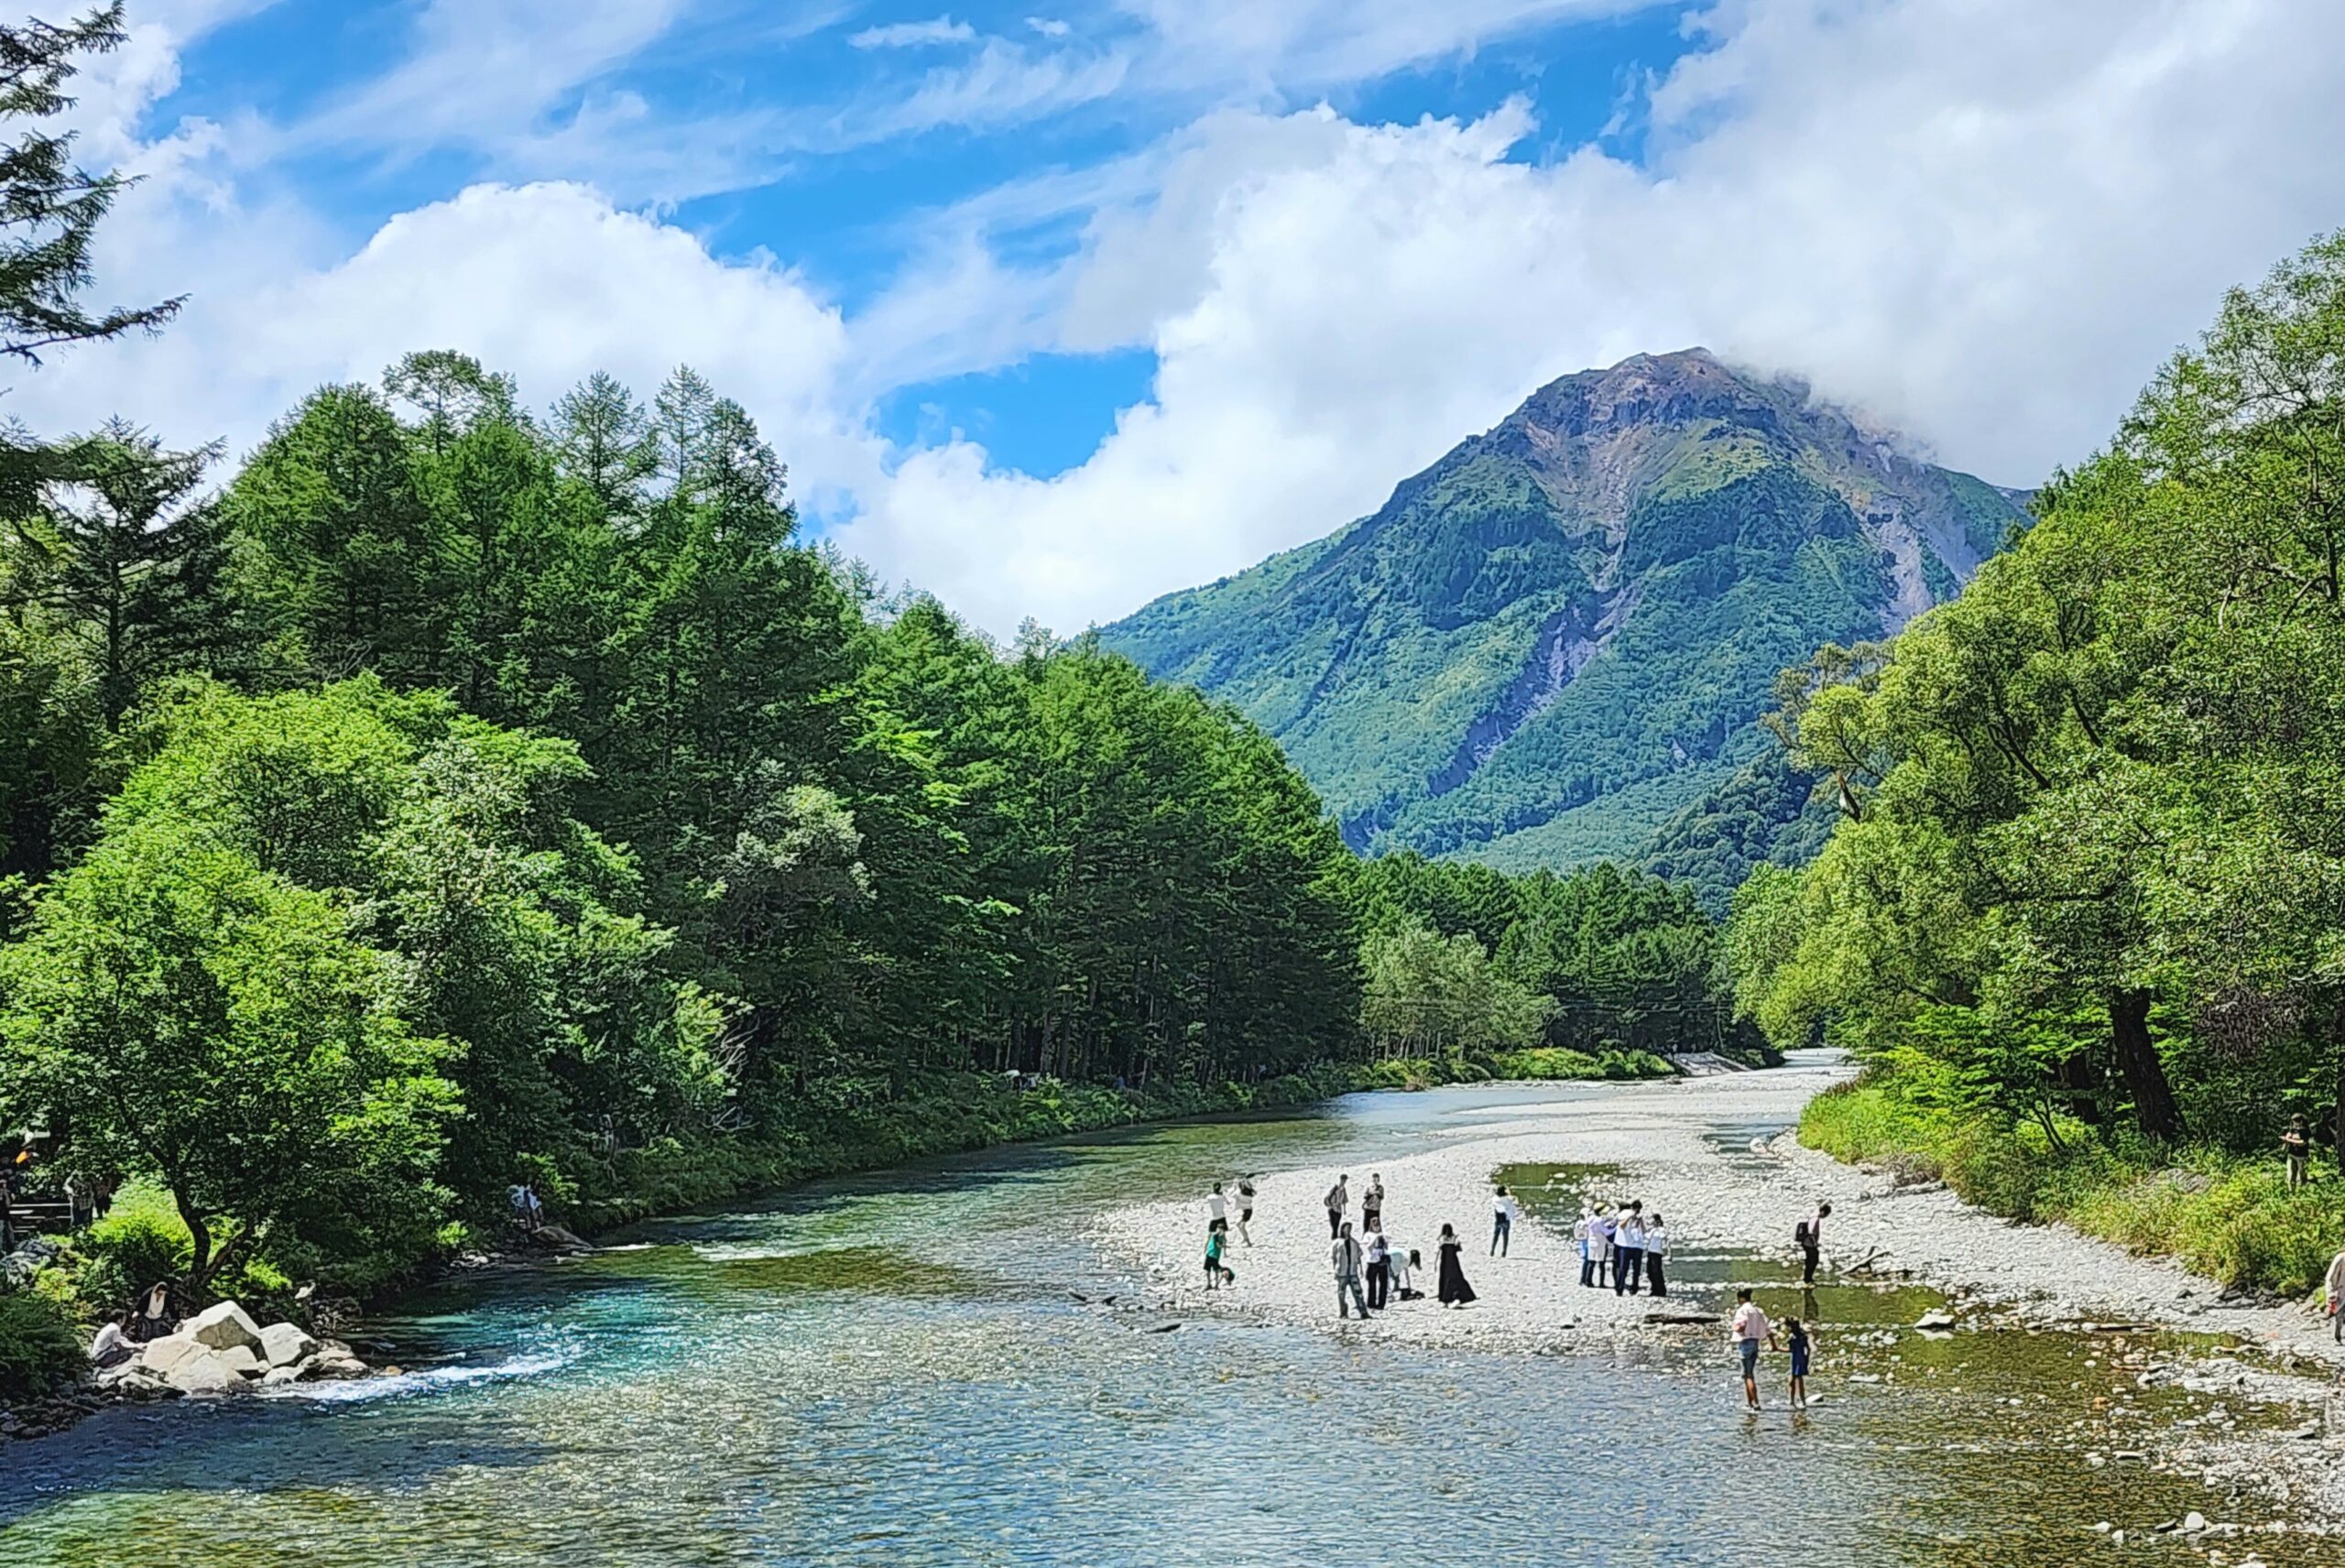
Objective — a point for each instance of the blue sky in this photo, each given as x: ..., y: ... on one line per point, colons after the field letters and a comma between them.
x: 1055, y: 307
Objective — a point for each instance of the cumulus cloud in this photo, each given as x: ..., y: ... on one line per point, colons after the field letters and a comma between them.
x: 914, y: 34
x: 1984, y: 221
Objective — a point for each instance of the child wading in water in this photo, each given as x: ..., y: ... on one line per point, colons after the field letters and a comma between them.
x: 1795, y: 1336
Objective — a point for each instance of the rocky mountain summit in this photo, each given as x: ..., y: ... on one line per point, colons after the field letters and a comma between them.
x: 1558, y: 637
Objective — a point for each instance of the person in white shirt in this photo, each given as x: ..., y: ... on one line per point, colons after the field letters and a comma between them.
x: 113, y: 1347
x: 1581, y: 1234
x: 1656, y: 1248
x: 1403, y: 1265
x: 1751, y: 1329
x: 1216, y: 1210
x: 1629, y: 1252
x: 1380, y: 1269
x: 1502, y: 1213
x: 2336, y: 1283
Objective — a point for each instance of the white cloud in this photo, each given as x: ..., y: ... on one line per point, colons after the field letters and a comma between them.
x: 914, y: 34
x: 1048, y: 27
x: 1987, y: 220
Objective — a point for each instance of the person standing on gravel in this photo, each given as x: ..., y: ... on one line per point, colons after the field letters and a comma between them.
x: 1656, y: 1248
x: 1808, y: 1237
x: 1502, y: 1213
x: 1371, y: 1203
x: 1599, y: 1243
x: 1751, y: 1330
x: 1582, y: 1233
x: 1345, y: 1256
x: 1628, y: 1259
x: 1245, y: 1209
x: 1216, y: 1211
x: 1379, y: 1268
x: 1339, y: 1198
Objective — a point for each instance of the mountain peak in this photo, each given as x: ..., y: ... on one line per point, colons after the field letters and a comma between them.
x: 1562, y: 632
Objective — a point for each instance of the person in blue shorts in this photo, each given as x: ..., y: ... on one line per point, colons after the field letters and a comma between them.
x: 1795, y: 1336
x: 1751, y: 1330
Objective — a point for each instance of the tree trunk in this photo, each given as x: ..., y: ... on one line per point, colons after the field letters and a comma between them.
x: 199, y: 1262
x: 2078, y: 1077
x: 2137, y: 1060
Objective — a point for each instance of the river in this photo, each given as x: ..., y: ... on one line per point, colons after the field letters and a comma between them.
x: 895, y: 1370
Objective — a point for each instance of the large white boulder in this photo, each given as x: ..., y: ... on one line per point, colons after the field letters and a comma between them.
x: 167, y: 1354
x: 284, y: 1344
x: 244, y: 1363
x: 206, y: 1373
x: 223, y: 1326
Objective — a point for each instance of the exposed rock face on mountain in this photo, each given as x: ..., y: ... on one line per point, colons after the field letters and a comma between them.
x: 1558, y: 637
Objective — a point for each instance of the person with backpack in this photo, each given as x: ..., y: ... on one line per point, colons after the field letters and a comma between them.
x: 1339, y: 1198
x: 1345, y: 1256
x: 1808, y: 1237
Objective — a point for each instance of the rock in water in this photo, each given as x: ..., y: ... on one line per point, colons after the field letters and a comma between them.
x: 205, y: 1373
x: 1937, y: 1318
x: 221, y: 1326
x: 284, y: 1344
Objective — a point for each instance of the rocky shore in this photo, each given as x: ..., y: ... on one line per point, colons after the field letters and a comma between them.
x: 221, y: 1350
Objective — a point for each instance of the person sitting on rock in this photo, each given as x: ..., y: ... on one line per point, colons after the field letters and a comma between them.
x: 113, y: 1346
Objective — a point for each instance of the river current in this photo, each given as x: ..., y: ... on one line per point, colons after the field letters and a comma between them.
x: 896, y: 1369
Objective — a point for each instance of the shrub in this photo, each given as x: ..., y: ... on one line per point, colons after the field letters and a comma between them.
x: 39, y: 1344
x: 139, y: 1239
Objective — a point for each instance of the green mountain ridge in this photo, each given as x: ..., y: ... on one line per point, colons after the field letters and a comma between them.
x: 1554, y: 642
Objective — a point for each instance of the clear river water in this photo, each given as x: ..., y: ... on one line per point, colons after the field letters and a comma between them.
x: 895, y: 1370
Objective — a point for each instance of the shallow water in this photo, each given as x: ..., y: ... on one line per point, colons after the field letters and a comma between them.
x: 895, y: 1370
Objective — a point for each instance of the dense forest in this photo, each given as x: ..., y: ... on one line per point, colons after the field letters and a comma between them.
x: 2085, y: 909
x: 452, y: 795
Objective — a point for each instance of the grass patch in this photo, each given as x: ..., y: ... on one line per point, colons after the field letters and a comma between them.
x: 2228, y: 1217
x: 39, y: 1344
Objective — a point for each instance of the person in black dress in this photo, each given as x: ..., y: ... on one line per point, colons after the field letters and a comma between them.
x: 1454, y: 1291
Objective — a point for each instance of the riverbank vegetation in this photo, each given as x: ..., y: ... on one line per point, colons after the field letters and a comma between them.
x: 2084, y: 914
x: 453, y: 795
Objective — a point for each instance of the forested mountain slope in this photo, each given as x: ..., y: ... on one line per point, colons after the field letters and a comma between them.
x: 1555, y: 639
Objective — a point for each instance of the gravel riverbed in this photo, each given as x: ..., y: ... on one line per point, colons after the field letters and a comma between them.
x: 1684, y: 1148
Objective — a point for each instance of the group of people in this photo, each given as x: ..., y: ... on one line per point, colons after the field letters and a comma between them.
x: 1622, y: 1247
